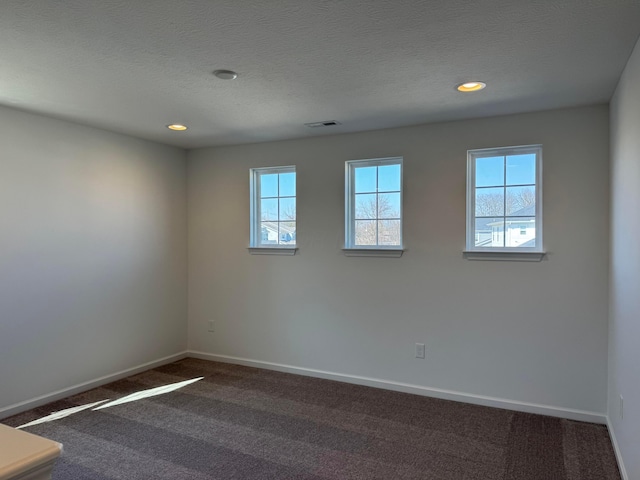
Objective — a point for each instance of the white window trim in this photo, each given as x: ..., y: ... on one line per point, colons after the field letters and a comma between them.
x: 502, y: 253
x: 255, y: 248
x: 373, y: 252
x: 350, y: 249
x: 272, y: 250
x: 505, y: 256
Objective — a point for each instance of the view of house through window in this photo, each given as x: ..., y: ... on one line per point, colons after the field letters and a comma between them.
x: 374, y: 203
x: 273, y: 207
x: 504, y: 198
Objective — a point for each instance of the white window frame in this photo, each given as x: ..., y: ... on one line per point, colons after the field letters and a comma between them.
x: 350, y: 248
x: 472, y: 252
x: 255, y: 243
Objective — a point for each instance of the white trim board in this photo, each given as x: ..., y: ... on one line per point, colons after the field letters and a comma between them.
x: 623, y: 471
x: 83, y: 387
x: 571, y: 414
x: 579, y: 415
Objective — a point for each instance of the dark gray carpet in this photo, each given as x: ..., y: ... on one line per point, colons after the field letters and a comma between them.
x: 246, y: 423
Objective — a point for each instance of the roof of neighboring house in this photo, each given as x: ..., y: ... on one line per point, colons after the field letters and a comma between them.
x: 529, y: 211
x: 484, y: 223
x: 487, y: 223
x: 284, y: 228
x: 525, y: 213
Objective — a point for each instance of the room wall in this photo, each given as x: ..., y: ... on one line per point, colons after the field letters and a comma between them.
x: 92, y: 254
x: 624, y: 324
x: 527, y: 332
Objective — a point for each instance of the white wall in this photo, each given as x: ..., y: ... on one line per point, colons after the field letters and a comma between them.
x: 624, y: 324
x: 530, y: 332
x: 92, y: 254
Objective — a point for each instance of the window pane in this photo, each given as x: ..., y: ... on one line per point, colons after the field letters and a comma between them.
x: 389, y: 205
x: 365, y: 179
x: 366, y: 206
x: 273, y: 204
x: 389, y: 178
x: 288, y: 184
x: 489, y: 202
x: 269, y: 185
x: 521, y: 232
x: 506, y: 196
x: 389, y: 232
x: 521, y: 169
x: 489, y: 171
x: 287, y: 233
x: 366, y: 232
x: 268, y: 233
x: 488, y: 232
x: 521, y: 201
x: 269, y: 209
x: 287, y: 209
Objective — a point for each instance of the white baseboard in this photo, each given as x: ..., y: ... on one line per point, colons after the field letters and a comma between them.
x: 612, y: 434
x: 83, y: 387
x: 580, y: 415
x: 571, y: 414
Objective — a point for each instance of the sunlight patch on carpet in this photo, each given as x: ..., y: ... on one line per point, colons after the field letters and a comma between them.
x: 62, y: 414
x: 152, y: 392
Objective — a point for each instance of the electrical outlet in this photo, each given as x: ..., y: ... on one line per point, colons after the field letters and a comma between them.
x: 211, y: 326
x: 419, y: 350
x: 621, y: 407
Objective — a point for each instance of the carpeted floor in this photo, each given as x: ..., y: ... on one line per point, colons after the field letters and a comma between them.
x: 245, y: 423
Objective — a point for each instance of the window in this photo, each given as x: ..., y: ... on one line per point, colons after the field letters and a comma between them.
x: 273, y: 207
x: 373, y: 200
x: 504, y: 200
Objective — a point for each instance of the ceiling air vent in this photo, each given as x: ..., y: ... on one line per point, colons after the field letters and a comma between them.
x: 329, y: 123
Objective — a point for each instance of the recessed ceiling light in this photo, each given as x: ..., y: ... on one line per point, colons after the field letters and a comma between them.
x: 225, y: 74
x: 471, y: 86
x: 177, y: 127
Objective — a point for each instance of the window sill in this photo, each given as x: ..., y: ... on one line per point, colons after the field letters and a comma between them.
x: 272, y: 250
x: 503, y: 256
x: 373, y: 252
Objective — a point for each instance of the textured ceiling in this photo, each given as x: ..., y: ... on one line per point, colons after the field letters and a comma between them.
x: 134, y: 66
